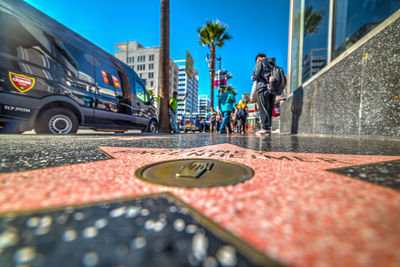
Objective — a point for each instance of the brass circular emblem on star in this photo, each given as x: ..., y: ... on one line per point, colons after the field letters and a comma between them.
x: 191, y: 173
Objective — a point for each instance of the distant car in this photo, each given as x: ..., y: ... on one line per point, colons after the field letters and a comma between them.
x: 190, y: 122
x: 204, y: 125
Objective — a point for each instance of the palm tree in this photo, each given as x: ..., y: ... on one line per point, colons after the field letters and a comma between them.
x: 164, y: 68
x: 213, y: 35
x: 312, y: 19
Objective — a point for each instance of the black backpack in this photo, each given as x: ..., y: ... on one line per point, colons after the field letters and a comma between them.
x: 279, y: 83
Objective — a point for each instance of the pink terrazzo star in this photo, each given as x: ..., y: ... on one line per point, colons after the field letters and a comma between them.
x: 293, y: 210
x: 138, y: 138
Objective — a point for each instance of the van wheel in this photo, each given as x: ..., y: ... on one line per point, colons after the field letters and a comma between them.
x: 152, y: 127
x: 57, y: 121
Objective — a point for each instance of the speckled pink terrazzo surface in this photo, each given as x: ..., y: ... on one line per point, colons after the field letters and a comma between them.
x: 293, y: 210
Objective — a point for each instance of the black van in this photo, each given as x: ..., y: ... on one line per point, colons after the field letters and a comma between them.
x: 53, y: 80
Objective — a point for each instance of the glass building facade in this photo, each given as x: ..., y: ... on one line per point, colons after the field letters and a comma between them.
x: 321, y: 30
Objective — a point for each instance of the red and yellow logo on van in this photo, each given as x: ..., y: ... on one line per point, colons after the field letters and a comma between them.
x: 21, y: 82
x: 104, y: 77
x: 116, y: 82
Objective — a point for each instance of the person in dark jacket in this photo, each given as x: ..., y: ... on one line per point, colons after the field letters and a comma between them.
x: 265, y: 100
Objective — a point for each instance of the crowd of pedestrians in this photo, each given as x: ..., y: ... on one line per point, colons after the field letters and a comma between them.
x: 230, y: 117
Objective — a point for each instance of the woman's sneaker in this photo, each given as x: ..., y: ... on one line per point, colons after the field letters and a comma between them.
x: 262, y: 131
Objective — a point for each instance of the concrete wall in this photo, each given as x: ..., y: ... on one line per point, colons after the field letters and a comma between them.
x: 358, y: 94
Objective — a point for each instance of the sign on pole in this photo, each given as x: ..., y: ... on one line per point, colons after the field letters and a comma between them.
x: 220, y: 79
x: 189, y: 65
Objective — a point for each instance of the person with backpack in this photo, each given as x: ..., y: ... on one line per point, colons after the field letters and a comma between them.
x: 226, y: 103
x: 241, y: 115
x: 269, y: 82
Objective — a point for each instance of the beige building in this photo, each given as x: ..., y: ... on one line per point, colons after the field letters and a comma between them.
x: 145, y: 62
x: 246, y: 98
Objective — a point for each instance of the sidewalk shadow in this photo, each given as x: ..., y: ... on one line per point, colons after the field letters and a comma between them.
x: 297, y: 106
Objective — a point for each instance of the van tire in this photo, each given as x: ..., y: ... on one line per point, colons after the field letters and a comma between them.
x: 152, y: 127
x: 57, y: 121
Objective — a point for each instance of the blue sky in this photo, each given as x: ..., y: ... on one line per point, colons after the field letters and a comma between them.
x: 256, y: 26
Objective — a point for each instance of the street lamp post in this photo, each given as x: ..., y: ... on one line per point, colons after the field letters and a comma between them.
x: 219, y: 59
x: 219, y: 73
x: 219, y: 79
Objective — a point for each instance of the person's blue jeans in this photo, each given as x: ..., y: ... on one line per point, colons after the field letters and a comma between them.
x: 226, y: 122
x: 174, y: 126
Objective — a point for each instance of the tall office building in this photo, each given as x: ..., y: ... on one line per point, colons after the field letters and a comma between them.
x: 187, y: 85
x: 204, y: 105
x: 313, y: 62
x: 145, y: 62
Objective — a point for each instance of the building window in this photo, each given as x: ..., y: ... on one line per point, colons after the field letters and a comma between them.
x: 355, y: 18
x: 151, y: 75
x: 309, y: 39
x: 141, y: 67
x: 151, y: 57
x: 151, y: 83
x: 141, y: 58
x: 151, y: 66
x: 131, y: 59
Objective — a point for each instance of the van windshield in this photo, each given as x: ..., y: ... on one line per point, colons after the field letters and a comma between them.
x: 141, y: 93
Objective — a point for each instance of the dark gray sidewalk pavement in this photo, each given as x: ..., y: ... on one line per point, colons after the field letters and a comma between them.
x: 81, y: 200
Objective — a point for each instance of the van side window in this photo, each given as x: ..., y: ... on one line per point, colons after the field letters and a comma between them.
x: 82, y: 60
x: 42, y: 48
x: 141, y: 92
x: 107, y: 77
x: 36, y: 47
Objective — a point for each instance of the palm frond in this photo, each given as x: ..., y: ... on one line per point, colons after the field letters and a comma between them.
x: 213, y: 33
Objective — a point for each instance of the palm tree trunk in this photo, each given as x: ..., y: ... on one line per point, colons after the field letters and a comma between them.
x: 212, y: 72
x: 164, y: 68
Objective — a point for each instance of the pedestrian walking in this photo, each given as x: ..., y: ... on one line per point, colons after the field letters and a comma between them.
x: 173, y: 106
x: 233, y: 120
x: 265, y: 100
x: 227, y: 102
x: 241, y: 115
x: 212, y: 115
x: 219, y: 120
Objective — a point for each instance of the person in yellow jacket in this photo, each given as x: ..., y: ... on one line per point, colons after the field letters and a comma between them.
x: 241, y: 115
